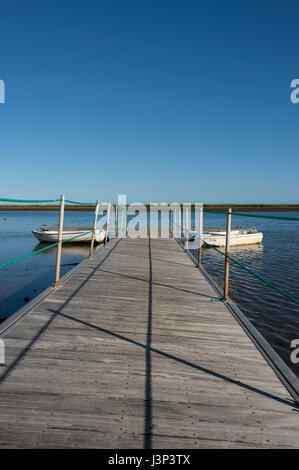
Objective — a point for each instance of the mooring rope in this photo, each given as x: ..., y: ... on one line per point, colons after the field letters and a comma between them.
x: 296, y: 219
x: 46, y: 200
x: 81, y: 203
x: 53, y: 244
x: 28, y: 200
x: 253, y: 273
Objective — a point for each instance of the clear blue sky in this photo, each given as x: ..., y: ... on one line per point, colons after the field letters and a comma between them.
x: 162, y: 100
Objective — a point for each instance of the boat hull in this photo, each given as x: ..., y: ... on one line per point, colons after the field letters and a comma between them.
x: 51, y: 236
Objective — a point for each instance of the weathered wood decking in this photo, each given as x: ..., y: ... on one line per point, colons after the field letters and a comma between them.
x: 130, y: 352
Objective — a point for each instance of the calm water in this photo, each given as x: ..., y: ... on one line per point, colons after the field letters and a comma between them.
x: 277, y: 260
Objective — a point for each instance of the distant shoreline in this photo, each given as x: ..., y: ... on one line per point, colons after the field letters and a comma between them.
x: 209, y: 207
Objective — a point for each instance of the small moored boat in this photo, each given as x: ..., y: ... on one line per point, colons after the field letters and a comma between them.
x: 238, y: 236
x: 50, y: 234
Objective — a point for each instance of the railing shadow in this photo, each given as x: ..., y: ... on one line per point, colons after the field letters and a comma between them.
x: 148, y: 359
x: 158, y: 259
x: 148, y: 348
x: 157, y: 283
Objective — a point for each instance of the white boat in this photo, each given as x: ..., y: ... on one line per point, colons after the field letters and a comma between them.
x: 238, y: 236
x: 50, y: 234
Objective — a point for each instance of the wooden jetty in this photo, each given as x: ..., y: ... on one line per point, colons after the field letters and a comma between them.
x: 130, y: 352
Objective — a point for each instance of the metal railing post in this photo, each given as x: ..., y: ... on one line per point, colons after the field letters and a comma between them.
x: 107, y: 230
x: 227, y: 247
x: 200, y: 236
x: 59, y: 246
x: 187, y: 230
x: 115, y: 221
x: 93, y: 235
x: 121, y: 221
x: 174, y: 223
x: 180, y: 221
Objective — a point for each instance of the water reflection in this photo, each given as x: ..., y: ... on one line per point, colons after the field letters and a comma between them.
x: 71, y: 249
x: 243, y: 250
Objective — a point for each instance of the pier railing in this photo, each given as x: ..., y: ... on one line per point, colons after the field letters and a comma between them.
x: 60, y: 241
x: 179, y: 231
x: 178, y: 226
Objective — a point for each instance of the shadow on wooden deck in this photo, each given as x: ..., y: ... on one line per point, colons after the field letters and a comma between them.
x: 147, y: 346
